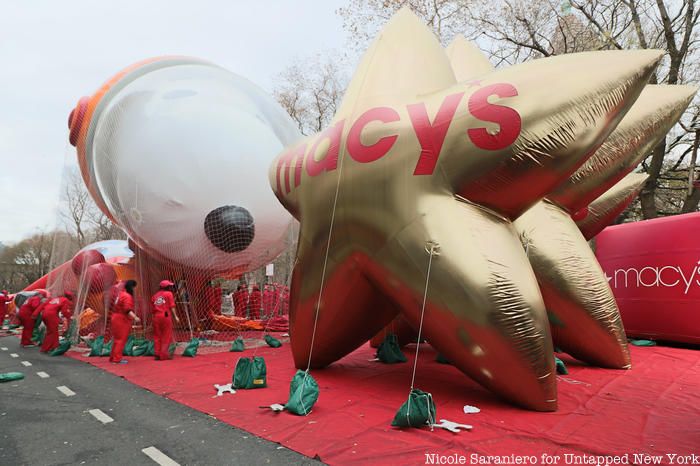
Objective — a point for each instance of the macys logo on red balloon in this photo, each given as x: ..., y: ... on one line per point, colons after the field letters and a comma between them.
x: 320, y: 154
x: 667, y: 276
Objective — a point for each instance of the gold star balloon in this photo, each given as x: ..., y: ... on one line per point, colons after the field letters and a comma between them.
x: 410, y: 190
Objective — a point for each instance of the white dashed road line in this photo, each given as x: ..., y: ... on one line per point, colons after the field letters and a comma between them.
x: 65, y: 390
x: 159, y: 457
x: 43, y: 375
x: 3, y: 348
x: 26, y: 363
x: 100, y: 416
x: 14, y: 355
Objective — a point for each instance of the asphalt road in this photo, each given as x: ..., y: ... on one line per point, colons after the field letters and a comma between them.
x: 41, y: 425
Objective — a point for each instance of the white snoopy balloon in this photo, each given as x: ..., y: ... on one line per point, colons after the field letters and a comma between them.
x: 176, y: 151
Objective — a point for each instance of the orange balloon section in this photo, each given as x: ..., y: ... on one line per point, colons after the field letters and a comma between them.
x: 93, y: 278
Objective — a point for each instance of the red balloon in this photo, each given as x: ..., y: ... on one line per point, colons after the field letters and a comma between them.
x: 84, y: 259
x: 99, y: 277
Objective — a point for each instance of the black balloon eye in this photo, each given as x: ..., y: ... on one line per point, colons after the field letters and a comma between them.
x: 230, y: 228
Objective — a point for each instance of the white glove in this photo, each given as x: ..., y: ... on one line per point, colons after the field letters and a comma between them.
x: 221, y: 389
x: 452, y: 426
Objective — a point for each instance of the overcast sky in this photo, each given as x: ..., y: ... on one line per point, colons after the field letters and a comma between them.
x: 54, y: 52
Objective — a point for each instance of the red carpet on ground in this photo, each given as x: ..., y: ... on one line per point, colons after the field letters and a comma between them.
x: 651, y: 409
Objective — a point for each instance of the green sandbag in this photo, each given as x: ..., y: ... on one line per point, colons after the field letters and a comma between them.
x: 272, y: 341
x: 72, y: 330
x: 191, y: 348
x: 13, y: 326
x: 241, y: 374
x: 142, y: 348
x: 61, y: 348
x: 238, y: 345
x: 250, y: 373
x: 138, y: 350
x: 150, y: 348
x: 642, y: 342
x: 140, y: 342
x: 107, y: 348
x: 96, y: 346
x: 389, y: 351
x: 37, y: 322
x: 11, y: 376
x: 561, y: 367
x: 39, y: 333
x: 417, y: 411
x: 442, y: 359
x: 303, y: 394
x: 129, y: 346
x: 171, y: 350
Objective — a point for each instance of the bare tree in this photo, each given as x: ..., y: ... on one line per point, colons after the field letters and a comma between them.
x: 512, y: 31
x: 101, y: 227
x: 311, y: 91
x: 362, y: 19
x: 26, y: 261
x: 84, y: 222
x: 75, y: 206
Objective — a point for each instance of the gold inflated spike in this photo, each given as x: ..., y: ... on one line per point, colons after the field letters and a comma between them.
x: 655, y: 112
x: 467, y: 60
x: 583, y: 314
x: 605, y: 209
x: 561, y: 124
x: 407, y: 164
x: 388, y: 68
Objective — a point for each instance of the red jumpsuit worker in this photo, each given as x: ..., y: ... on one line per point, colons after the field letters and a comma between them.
x: 255, y: 303
x: 240, y: 301
x: 284, y: 301
x: 4, y: 299
x: 50, y: 316
x: 110, y: 299
x: 31, y: 307
x: 122, y: 316
x: 269, y: 301
x: 163, y: 311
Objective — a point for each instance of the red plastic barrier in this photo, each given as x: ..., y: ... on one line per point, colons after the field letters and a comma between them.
x: 653, y: 268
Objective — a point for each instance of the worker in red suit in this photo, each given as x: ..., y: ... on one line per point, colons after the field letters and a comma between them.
x: 212, y: 294
x: 4, y: 299
x: 240, y: 300
x: 50, y: 316
x: 283, y: 301
x: 122, y: 316
x: 163, y: 303
x: 31, y: 307
x: 110, y: 299
x: 269, y: 301
x: 255, y: 303
x: 279, y: 305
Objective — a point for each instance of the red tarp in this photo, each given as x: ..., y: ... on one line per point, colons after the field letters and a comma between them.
x: 654, y: 408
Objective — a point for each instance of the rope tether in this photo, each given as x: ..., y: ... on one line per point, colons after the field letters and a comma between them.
x: 433, y: 251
